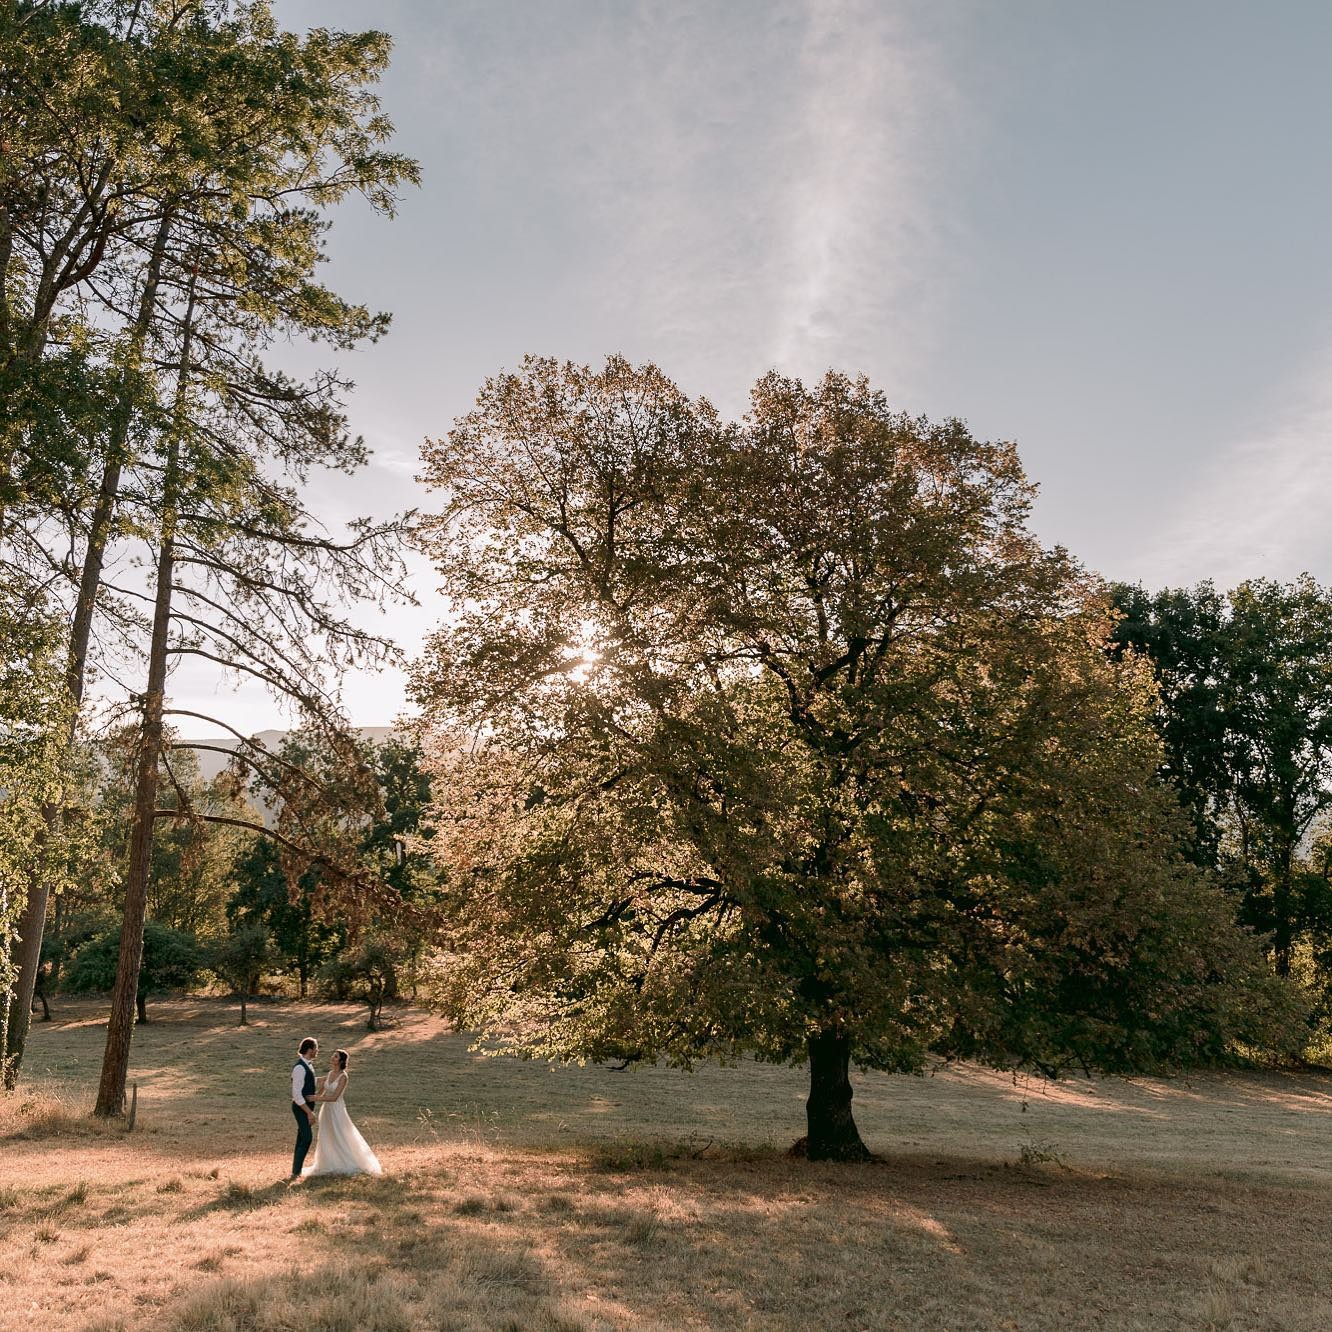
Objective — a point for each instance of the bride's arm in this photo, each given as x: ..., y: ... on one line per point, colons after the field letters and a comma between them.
x: 339, y: 1086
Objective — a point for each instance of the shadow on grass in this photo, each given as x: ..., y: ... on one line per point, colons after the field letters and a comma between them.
x: 212, y: 1092
x: 539, y: 1245
x: 240, y: 1197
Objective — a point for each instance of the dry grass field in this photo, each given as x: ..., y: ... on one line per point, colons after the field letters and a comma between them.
x: 570, y: 1200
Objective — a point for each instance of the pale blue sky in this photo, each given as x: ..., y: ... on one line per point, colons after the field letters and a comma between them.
x: 1098, y: 229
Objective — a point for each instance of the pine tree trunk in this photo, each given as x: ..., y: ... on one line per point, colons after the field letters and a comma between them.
x: 832, y: 1132
x: 125, y: 998
x: 120, y: 1027
x: 33, y: 921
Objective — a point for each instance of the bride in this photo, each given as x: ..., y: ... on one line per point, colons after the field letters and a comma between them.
x: 340, y: 1149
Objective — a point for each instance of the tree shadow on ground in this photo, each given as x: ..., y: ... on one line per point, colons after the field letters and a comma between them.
x: 239, y: 1197
x: 496, y: 1242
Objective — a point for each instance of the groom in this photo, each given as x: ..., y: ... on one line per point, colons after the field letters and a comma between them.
x: 302, y: 1103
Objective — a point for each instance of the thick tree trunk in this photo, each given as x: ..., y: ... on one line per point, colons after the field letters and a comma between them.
x: 90, y: 582
x: 141, y: 1007
x: 832, y: 1132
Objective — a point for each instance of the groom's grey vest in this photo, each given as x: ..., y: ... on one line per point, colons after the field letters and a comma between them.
x: 308, y: 1090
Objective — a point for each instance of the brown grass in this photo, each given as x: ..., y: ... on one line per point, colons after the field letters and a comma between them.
x: 575, y: 1200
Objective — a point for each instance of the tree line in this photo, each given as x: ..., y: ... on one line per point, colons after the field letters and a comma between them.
x: 168, y: 170
x: 781, y: 737
x: 224, y: 908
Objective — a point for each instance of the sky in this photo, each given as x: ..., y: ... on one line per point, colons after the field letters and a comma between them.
x: 1097, y: 230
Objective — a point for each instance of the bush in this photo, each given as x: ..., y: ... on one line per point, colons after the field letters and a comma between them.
x: 171, y: 961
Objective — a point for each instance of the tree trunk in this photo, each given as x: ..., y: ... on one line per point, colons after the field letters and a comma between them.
x: 141, y: 1010
x: 244, y: 1020
x: 1283, y: 936
x: 28, y: 959
x: 120, y: 1028
x: 90, y: 581
x: 833, y: 1135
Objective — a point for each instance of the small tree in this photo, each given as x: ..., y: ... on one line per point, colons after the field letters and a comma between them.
x: 365, y: 970
x: 241, y: 959
x: 263, y: 896
x: 171, y: 960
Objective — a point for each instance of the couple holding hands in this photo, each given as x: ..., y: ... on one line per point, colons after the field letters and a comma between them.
x: 341, y: 1150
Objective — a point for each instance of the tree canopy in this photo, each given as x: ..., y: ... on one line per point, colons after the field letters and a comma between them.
x: 162, y: 220
x: 787, y: 737
x: 1245, y: 717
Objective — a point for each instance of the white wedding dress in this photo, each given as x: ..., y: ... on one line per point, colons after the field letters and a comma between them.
x: 340, y: 1149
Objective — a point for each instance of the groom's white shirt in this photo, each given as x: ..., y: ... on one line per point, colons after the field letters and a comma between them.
x: 298, y: 1080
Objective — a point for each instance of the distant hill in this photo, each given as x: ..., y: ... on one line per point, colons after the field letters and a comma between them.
x: 211, y: 762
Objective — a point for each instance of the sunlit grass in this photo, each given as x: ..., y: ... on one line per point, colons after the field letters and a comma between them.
x: 577, y: 1200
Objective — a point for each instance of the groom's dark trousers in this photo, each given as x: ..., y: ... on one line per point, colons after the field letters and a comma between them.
x: 304, y: 1137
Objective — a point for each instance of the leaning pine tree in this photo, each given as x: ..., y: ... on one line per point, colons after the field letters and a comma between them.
x: 789, y: 739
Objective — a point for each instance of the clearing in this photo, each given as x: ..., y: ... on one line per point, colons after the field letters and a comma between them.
x: 575, y: 1200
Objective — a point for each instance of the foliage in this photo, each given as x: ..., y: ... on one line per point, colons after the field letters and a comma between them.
x: 397, y: 850
x: 171, y: 961
x: 263, y: 895
x: 395, y: 841
x: 365, y: 970
x: 190, y: 877
x: 86, y: 919
x: 1181, y: 632
x: 1245, y: 716
x: 372, y: 821
x: 32, y: 771
x: 241, y: 958
x: 788, y: 737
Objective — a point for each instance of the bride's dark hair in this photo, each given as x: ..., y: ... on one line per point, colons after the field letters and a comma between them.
x: 341, y: 1057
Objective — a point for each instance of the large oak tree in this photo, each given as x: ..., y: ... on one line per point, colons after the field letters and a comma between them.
x: 789, y: 738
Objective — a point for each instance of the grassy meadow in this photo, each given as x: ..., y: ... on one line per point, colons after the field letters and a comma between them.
x: 521, y: 1197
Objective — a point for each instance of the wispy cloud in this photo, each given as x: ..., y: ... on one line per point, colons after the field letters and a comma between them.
x: 859, y: 262
x: 732, y: 186
x: 1261, y: 508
